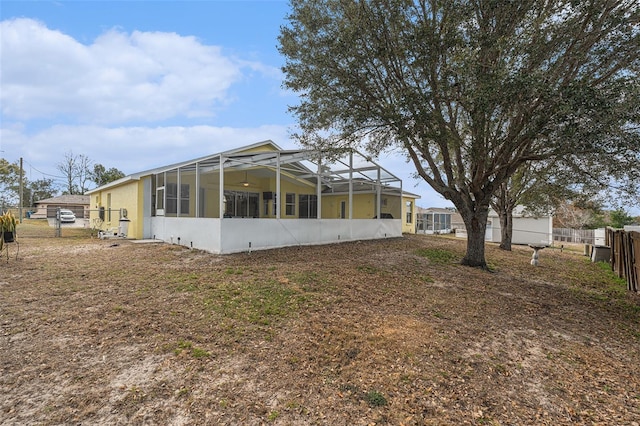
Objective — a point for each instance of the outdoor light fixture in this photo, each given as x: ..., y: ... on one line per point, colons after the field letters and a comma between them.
x: 245, y: 182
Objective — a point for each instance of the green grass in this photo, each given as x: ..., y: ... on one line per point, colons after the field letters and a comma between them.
x: 375, y: 399
x: 258, y: 301
x: 195, y: 352
x: 438, y: 255
x: 233, y: 271
x: 368, y: 269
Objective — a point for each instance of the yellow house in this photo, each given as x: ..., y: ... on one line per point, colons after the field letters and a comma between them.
x: 257, y: 197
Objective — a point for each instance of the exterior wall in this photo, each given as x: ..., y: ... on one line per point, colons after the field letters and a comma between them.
x: 364, y: 205
x: 526, y: 230
x: 408, y: 227
x: 200, y: 233
x: 209, y: 184
x: 145, y: 200
x: 235, y: 235
x: 125, y: 196
x: 287, y: 186
x: 190, y: 179
x: 392, y: 206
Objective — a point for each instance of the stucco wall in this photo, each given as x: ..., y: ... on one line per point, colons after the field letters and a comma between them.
x: 238, y: 235
x: 408, y: 227
x: 364, y: 205
x: 125, y: 196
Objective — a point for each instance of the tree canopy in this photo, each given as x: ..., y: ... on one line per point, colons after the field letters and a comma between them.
x: 101, y: 176
x: 468, y: 90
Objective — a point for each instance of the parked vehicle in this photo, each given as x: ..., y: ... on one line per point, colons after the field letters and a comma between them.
x: 67, y: 216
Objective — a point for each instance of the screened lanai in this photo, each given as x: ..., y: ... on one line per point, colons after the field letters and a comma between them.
x: 248, y: 185
x: 257, y: 197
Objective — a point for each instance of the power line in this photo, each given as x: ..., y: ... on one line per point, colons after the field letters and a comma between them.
x: 43, y: 173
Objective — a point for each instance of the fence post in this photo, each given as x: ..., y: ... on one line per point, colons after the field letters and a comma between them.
x: 634, y: 278
x: 58, y: 223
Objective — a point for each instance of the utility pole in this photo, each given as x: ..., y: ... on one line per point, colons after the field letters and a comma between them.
x: 20, y: 190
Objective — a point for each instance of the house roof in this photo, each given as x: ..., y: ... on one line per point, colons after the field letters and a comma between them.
x: 66, y: 200
x: 298, y: 164
x: 436, y: 210
x: 138, y: 175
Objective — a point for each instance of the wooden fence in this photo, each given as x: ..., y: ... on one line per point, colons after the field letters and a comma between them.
x: 625, y: 255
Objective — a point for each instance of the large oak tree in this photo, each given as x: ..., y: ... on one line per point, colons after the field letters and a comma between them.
x: 469, y: 90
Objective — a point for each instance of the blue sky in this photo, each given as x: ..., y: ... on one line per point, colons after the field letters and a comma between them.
x: 142, y: 84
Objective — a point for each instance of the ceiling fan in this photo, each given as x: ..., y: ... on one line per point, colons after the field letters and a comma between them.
x: 245, y: 182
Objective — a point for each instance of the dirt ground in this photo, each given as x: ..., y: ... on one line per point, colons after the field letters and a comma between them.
x: 378, y: 332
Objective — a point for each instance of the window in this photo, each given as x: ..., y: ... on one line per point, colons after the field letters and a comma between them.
x: 308, y: 206
x: 269, y: 199
x: 109, y: 207
x: 290, y: 204
x: 409, y: 212
x: 241, y: 204
x: 160, y: 194
x: 172, y: 198
x: 343, y: 209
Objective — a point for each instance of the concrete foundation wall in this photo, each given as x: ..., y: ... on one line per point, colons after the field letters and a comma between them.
x: 235, y: 235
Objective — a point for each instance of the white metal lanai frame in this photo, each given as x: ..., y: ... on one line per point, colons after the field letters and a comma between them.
x: 331, y: 176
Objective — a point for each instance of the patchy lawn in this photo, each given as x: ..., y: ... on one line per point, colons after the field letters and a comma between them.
x: 377, y: 332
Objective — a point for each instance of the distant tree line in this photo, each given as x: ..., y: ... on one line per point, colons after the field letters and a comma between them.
x: 78, y: 172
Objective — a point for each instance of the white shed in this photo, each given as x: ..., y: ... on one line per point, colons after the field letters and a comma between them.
x: 527, y: 229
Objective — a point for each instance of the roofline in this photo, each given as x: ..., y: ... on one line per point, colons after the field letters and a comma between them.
x: 138, y: 175
x: 410, y: 195
x: 115, y: 183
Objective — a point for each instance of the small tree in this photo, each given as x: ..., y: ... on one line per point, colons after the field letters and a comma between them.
x: 619, y: 218
x: 40, y: 189
x: 10, y: 183
x: 579, y: 215
x: 75, y: 169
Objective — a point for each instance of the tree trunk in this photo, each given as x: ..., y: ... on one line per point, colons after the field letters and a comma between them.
x: 506, y: 228
x: 476, y: 224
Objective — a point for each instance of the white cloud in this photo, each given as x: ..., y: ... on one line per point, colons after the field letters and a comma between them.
x: 118, y: 78
x: 133, y: 149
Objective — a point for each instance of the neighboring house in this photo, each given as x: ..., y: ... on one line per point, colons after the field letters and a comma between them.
x: 257, y: 197
x: 78, y: 204
x: 436, y: 220
x: 527, y: 229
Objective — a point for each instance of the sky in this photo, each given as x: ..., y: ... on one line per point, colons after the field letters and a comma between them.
x: 137, y: 85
